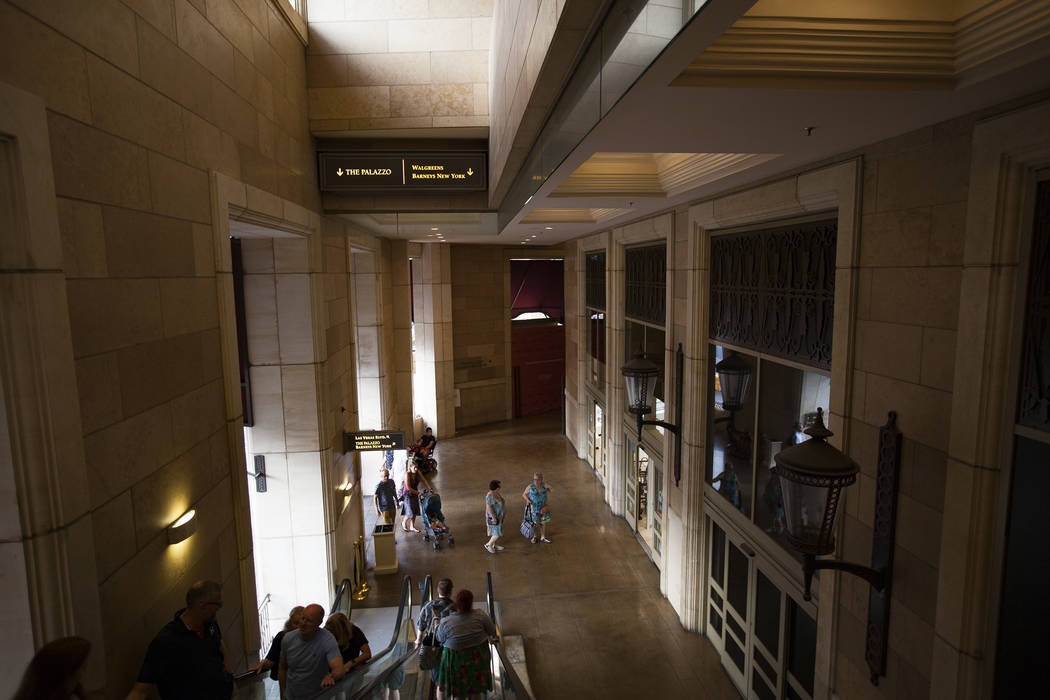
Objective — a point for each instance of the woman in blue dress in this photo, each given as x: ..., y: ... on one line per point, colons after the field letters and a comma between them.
x: 535, y: 495
x: 494, y: 509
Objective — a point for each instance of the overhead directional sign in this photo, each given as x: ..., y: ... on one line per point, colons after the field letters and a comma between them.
x: 370, y: 440
x: 437, y: 171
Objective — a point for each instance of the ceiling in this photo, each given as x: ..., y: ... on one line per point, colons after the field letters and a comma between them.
x: 751, y: 90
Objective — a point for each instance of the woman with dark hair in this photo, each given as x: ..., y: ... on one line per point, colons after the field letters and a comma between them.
x: 411, y: 508
x: 494, y: 510
x: 465, y: 671
x: 273, y: 658
x: 54, y: 672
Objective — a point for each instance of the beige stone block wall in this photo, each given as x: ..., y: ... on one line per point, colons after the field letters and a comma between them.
x: 913, y: 209
x: 480, y: 340
x: 398, y: 65
x: 142, y: 100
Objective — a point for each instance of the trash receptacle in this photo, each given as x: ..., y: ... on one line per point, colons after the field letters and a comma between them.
x: 386, y: 551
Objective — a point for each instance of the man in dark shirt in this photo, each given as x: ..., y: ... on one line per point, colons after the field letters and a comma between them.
x: 386, y: 499
x: 428, y: 442
x: 186, y: 660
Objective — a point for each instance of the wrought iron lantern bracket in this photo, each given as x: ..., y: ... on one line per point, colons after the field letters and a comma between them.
x: 676, y: 427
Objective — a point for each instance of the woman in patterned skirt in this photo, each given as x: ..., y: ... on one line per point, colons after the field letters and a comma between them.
x: 466, y: 670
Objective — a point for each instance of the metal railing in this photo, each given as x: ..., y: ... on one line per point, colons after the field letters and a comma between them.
x: 505, y: 681
x: 404, y: 651
x: 366, y: 676
x: 264, y: 622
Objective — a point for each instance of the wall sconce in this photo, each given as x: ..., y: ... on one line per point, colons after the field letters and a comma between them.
x: 182, y: 528
x: 812, y: 475
x: 260, y: 473
x: 640, y: 381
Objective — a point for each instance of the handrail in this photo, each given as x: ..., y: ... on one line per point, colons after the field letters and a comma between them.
x: 344, y: 589
x: 344, y: 685
x: 426, y: 595
x: 515, y: 682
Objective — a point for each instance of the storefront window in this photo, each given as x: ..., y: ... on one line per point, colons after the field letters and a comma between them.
x: 772, y: 297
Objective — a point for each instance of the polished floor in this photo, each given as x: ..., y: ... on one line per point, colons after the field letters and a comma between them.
x: 589, y: 603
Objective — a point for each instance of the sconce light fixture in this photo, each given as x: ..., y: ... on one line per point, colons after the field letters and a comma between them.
x: 640, y: 381
x: 734, y: 376
x: 260, y: 473
x: 812, y: 475
x: 182, y: 528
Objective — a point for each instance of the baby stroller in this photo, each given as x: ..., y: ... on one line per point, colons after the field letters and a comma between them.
x: 425, y: 463
x: 434, y: 526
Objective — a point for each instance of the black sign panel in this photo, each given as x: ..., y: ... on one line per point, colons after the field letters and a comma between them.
x: 371, y: 440
x: 357, y: 171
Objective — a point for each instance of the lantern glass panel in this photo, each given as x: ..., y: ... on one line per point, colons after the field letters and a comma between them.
x: 804, y: 513
x: 640, y: 392
x: 735, y: 388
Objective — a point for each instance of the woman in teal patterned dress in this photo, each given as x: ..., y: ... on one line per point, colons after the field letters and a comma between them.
x: 494, y: 509
x: 535, y: 494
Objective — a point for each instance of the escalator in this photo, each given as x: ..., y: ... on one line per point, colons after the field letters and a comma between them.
x: 396, y: 666
x: 250, y: 686
x: 417, y: 686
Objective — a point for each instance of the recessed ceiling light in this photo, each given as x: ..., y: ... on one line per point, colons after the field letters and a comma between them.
x: 433, y: 228
x: 548, y: 228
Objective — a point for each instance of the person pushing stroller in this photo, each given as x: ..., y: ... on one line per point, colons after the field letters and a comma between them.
x: 434, y: 526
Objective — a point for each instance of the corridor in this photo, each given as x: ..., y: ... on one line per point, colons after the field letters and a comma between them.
x: 588, y: 604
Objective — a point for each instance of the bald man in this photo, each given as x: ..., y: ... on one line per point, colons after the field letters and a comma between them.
x: 310, y: 658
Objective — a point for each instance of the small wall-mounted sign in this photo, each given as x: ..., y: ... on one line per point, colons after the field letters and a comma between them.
x: 354, y: 171
x: 372, y: 440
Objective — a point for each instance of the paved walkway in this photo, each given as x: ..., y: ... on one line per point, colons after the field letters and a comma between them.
x: 589, y: 604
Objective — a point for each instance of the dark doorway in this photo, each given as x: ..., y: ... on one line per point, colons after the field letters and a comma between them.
x: 537, y: 331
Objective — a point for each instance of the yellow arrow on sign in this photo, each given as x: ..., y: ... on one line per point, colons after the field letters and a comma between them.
x: 470, y: 171
x: 339, y: 172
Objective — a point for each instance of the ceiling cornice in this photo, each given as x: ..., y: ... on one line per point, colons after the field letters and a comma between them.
x: 865, y: 53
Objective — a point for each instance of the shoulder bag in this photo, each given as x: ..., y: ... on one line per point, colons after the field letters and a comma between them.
x: 528, y: 528
x: 429, y: 652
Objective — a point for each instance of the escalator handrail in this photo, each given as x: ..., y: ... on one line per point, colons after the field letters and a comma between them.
x: 426, y: 595
x: 515, y: 682
x: 358, y: 671
x: 344, y: 588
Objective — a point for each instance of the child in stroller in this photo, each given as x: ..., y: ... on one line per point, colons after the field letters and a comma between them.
x: 434, y: 520
x: 421, y: 455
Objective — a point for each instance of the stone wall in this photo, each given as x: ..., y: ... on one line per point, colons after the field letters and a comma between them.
x: 913, y: 217
x: 480, y: 330
x: 141, y: 103
x: 403, y: 65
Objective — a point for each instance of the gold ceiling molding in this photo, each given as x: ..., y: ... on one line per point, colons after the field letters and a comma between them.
x: 572, y: 216
x: 424, y: 218
x: 866, y: 53
x: 641, y: 175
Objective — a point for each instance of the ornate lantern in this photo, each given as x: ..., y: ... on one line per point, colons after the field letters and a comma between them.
x: 734, y: 375
x: 639, y: 377
x: 812, y: 475
x: 640, y: 381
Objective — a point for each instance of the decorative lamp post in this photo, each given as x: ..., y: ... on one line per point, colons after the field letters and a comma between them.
x: 812, y: 475
x: 639, y: 378
x: 734, y: 376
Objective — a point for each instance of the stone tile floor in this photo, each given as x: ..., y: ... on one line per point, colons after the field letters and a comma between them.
x: 589, y: 604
